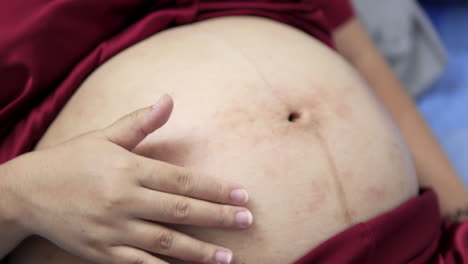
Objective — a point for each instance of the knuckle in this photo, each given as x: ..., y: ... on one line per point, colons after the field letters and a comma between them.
x: 113, y: 199
x: 181, y: 209
x: 220, y: 192
x: 94, y: 242
x: 126, y: 164
x: 135, y: 118
x: 156, y: 173
x: 164, y: 241
x: 185, y: 181
x: 206, y: 252
x: 110, y: 203
x: 223, y: 215
x: 157, y: 170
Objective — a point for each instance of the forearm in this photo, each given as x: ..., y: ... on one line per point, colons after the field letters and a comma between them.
x: 11, y: 233
x: 433, y: 167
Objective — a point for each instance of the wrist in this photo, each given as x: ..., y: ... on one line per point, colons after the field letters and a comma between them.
x: 11, y: 219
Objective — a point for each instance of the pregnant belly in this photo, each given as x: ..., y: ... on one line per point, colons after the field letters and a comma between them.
x: 266, y: 106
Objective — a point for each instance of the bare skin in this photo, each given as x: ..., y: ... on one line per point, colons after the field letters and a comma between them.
x: 103, y: 205
x: 287, y: 118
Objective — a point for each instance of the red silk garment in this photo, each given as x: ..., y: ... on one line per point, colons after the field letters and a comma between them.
x: 413, y: 233
x: 47, y: 48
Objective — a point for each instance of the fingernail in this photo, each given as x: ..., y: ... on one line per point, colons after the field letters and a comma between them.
x: 223, y: 257
x: 239, y: 196
x: 158, y: 103
x: 243, y: 219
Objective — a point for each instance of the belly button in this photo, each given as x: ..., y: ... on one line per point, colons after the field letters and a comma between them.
x: 293, y: 116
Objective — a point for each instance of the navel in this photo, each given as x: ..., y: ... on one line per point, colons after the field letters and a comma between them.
x: 294, y: 116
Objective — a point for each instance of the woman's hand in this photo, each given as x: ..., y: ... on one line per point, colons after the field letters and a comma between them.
x: 96, y: 199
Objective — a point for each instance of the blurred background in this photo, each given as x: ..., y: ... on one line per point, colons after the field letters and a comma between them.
x: 426, y: 43
x: 445, y: 104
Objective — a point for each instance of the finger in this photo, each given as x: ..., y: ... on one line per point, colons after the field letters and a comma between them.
x: 131, y: 129
x: 131, y: 255
x: 176, y: 209
x: 164, y: 177
x: 164, y: 241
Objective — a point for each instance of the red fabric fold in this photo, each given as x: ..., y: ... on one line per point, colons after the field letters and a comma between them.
x: 413, y: 233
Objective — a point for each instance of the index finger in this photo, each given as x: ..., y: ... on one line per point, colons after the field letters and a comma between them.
x: 165, y: 177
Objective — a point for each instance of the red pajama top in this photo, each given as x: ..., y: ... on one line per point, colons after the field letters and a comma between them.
x: 47, y: 48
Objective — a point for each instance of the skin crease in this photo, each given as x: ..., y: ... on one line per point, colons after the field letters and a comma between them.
x: 233, y: 98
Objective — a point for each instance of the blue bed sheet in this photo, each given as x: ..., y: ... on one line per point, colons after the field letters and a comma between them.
x: 445, y: 105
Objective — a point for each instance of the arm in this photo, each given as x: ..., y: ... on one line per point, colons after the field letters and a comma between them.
x: 11, y: 232
x: 433, y: 167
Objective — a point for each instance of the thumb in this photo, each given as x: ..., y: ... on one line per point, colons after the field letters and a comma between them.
x: 131, y: 129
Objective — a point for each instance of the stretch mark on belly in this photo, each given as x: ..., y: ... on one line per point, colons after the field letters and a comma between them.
x: 334, y: 171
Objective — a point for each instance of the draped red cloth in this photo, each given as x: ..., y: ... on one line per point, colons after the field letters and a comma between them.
x: 47, y: 48
x: 413, y: 233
